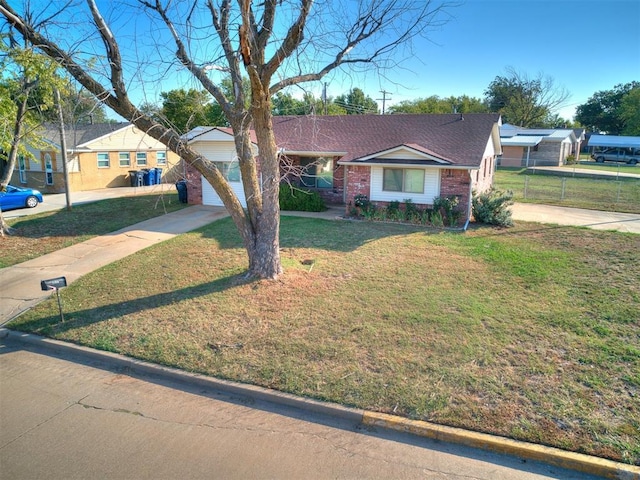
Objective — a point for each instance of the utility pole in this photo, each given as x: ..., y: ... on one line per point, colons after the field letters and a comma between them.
x: 384, y: 99
x: 63, y: 152
x: 324, y: 97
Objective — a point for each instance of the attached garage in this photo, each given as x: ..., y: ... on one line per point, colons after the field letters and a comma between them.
x: 217, y: 145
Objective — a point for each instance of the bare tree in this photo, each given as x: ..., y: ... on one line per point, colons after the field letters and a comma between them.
x: 277, y: 43
x: 523, y: 100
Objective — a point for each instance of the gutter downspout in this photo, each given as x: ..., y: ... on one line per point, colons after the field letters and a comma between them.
x: 466, y: 224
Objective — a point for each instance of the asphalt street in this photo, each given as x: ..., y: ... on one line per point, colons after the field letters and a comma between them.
x: 68, y: 416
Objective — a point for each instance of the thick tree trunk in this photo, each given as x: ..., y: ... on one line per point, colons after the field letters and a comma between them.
x: 264, y: 252
x: 4, y: 228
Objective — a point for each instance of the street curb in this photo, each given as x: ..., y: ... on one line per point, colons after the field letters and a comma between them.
x: 482, y: 441
x: 188, y: 378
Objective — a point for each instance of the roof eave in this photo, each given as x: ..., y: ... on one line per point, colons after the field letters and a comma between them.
x: 409, y: 165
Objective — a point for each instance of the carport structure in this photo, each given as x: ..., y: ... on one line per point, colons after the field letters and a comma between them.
x: 612, y: 141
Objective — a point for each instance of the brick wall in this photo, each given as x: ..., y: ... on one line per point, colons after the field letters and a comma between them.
x: 456, y: 182
x: 194, y: 185
x: 358, y: 182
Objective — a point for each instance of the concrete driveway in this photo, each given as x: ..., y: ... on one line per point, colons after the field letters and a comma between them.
x: 579, y: 217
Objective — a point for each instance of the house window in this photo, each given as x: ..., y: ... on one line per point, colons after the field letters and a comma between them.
x: 409, y: 180
x: 125, y: 159
x: 48, y: 169
x: 161, y: 158
x: 230, y: 170
x: 317, y: 172
x: 103, y: 160
x: 22, y: 169
x: 141, y: 159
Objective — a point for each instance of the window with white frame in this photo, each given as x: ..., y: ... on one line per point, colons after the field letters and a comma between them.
x: 141, y: 159
x: 161, y: 158
x: 409, y: 180
x: 22, y: 169
x: 125, y: 159
x: 48, y: 169
x: 103, y: 160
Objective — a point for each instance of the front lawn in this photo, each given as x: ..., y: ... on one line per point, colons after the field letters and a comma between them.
x: 42, y: 233
x: 530, y: 332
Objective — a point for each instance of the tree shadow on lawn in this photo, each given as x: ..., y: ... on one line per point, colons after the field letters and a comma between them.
x: 52, y: 325
x: 296, y: 233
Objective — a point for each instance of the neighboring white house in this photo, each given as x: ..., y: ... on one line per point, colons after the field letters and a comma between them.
x: 529, y: 147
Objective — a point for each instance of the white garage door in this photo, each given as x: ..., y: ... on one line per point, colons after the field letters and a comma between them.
x: 210, y: 197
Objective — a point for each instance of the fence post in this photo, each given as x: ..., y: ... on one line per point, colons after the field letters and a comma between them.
x: 564, y: 183
x: 619, y: 191
x: 526, y: 184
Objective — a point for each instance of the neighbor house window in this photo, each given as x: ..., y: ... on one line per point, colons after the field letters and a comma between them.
x: 22, y: 169
x: 103, y: 160
x: 125, y: 159
x: 230, y: 170
x: 161, y: 158
x: 141, y: 159
x: 48, y: 169
x: 317, y: 172
x: 409, y: 180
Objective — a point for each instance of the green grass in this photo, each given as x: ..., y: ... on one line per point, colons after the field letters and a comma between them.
x: 39, y: 234
x: 616, y: 195
x: 530, y: 332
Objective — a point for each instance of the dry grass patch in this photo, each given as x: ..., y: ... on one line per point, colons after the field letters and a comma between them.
x: 530, y: 332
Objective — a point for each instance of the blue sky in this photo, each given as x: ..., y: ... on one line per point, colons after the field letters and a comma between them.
x: 584, y: 45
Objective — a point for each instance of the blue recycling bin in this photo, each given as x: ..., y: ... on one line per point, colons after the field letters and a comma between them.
x: 139, y: 178
x: 148, y: 178
x: 158, y: 176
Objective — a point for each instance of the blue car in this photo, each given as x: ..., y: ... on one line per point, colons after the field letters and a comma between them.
x: 18, y: 197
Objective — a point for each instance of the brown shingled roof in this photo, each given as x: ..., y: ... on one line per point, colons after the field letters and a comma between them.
x: 459, y: 139
x: 82, y: 133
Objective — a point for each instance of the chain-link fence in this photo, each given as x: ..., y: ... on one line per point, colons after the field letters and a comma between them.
x: 619, y: 194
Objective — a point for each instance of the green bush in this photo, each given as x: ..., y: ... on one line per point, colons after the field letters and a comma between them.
x: 492, y: 207
x: 448, y: 208
x: 293, y: 198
